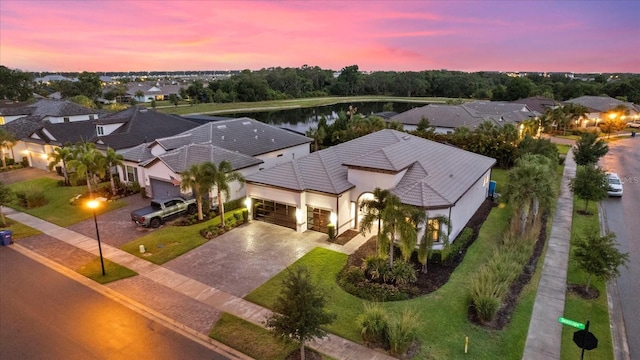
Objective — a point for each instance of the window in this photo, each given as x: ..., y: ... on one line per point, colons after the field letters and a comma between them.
x: 279, y: 155
x: 100, y: 130
x: 91, y: 117
x: 66, y: 119
x: 433, y: 225
x: 131, y: 173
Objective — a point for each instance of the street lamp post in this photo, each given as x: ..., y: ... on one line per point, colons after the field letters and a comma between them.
x: 93, y: 205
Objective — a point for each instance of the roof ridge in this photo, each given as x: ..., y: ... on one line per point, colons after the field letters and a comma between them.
x: 324, y: 167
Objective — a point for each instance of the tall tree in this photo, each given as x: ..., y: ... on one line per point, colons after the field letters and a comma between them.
x: 436, y: 229
x: 88, y: 163
x: 199, y: 179
x: 15, y: 85
x: 7, y: 140
x: 89, y: 85
x: 598, y: 256
x: 372, y: 209
x: 317, y: 134
x: 112, y: 159
x: 62, y: 155
x: 299, y: 309
x: 223, y: 175
x: 529, y: 186
x: 397, y: 225
x: 590, y: 184
x: 589, y: 149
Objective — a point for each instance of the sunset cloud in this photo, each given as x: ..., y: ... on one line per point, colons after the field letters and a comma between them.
x: 578, y: 36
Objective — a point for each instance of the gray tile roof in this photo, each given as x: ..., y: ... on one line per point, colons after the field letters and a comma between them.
x: 140, y: 126
x: 469, y: 115
x: 437, y: 175
x: 244, y: 135
x: 72, y: 132
x: 598, y: 103
x: 182, y: 158
x: 22, y: 127
x: 137, y: 153
x: 49, y: 107
x: 538, y: 103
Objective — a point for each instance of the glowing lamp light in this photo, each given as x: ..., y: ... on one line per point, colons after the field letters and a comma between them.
x: 333, y: 218
x: 299, y: 216
x: 247, y: 203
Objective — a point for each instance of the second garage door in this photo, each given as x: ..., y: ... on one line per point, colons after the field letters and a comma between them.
x: 164, y: 189
x: 275, y: 213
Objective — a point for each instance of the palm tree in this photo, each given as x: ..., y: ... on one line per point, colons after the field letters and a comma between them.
x: 373, y: 211
x: 199, y: 178
x: 62, y: 155
x: 112, y: 159
x: 530, y: 185
x: 7, y: 140
x: 434, y: 231
x: 88, y: 162
x: 223, y: 175
x: 396, y: 219
x: 317, y: 134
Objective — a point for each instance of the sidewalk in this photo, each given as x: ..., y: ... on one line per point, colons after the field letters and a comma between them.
x: 545, y: 333
x: 182, y: 286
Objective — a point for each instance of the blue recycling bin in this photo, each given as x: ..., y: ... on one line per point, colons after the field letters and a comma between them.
x: 633, y: 134
x: 492, y: 188
x: 5, y: 237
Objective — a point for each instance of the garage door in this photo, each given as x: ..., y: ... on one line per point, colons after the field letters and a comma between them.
x: 163, y: 189
x: 274, y: 213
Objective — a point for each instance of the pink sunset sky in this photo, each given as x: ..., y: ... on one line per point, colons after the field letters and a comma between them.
x: 93, y: 35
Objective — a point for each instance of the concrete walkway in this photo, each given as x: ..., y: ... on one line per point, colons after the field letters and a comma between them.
x: 333, y: 346
x: 545, y: 333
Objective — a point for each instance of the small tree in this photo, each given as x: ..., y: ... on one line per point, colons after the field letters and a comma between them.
x: 7, y: 140
x: 112, y: 159
x: 590, y: 184
x: 198, y: 178
x: 6, y: 196
x: 173, y: 99
x: 589, y: 149
x: 598, y: 256
x: 299, y: 309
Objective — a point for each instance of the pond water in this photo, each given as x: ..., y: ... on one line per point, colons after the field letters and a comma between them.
x: 301, y: 119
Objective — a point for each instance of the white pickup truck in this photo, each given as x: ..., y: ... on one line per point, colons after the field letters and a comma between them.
x: 161, y: 209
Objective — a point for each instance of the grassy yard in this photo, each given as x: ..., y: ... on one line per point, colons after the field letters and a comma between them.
x: 563, y: 149
x: 19, y: 230
x: 221, y: 108
x: 170, y: 242
x: 500, y: 177
x: 443, y: 313
x: 58, y: 210
x: 582, y: 310
x: 113, y: 271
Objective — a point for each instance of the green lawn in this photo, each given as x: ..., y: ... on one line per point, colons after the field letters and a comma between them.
x: 582, y: 310
x: 563, y: 149
x: 443, y: 313
x: 170, y: 242
x: 19, y: 230
x: 500, y: 177
x: 113, y: 271
x: 58, y: 210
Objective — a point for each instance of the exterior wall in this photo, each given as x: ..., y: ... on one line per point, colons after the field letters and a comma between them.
x: 140, y: 170
x: 159, y: 171
x: 37, y: 154
x: 272, y: 159
x: 282, y: 196
x: 236, y: 190
x: 468, y: 204
x: 4, y: 119
x: 443, y: 130
x: 156, y: 150
x: 72, y: 118
x: 366, y: 181
x: 109, y: 128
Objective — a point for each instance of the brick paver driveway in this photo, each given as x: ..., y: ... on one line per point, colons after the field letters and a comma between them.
x: 244, y: 258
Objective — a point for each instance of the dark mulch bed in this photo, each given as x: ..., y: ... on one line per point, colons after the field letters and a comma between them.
x: 510, y: 301
x: 438, y: 272
x: 581, y: 291
x: 345, y: 237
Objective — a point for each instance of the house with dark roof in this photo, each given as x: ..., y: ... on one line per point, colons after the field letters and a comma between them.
x: 119, y: 131
x: 539, y: 104
x: 446, y: 118
x: 599, y: 108
x: 49, y: 110
x: 249, y: 145
x: 328, y: 186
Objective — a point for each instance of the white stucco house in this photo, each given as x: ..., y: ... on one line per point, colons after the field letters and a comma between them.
x: 327, y: 186
x: 249, y: 145
x: 600, y: 108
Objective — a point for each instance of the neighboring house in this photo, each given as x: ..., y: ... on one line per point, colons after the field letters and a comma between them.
x: 120, y: 131
x: 446, y: 118
x: 599, y: 108
x: 539, y: 104
x: 329, y: 185
x: 151, y: 92
x: 249, y: 145
x: 49, y: 110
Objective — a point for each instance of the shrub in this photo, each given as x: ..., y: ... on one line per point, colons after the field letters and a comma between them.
x: 461, y: 242
x: 401, y: 332
x: 234, y: 204
x: 35, y: 198
x: 486, y: 307
x: 237, y: 216
x: 486, y: 293
x: 245, y: 215
x: 403, y: 273
x: 353, y: 281
x: 373, y: 323
x: 331, y: 229
x: 377, y: 268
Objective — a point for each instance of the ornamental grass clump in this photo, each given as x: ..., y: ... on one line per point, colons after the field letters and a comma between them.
x: 401, y: 332
x: 373, y: 323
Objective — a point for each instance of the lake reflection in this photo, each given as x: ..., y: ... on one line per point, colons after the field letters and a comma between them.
x: 301, y: 119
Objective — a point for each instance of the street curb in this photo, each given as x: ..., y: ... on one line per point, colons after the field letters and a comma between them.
x: 134, y: 305
x: 616, y: 320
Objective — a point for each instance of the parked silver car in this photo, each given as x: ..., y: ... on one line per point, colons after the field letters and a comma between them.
x: 615, y: 184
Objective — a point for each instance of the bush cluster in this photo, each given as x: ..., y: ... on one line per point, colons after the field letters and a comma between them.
x: 395, y: 333
x: 455, y: 249
x: 491, y: 282
x: 31, y: 198
x: 211, y: 231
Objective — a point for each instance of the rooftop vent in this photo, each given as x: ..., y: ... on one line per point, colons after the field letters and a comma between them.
x: 255, y: 130
x: 256, y: 137
x: 246, y: 123
x: 273, y: 140
x: 222, y: 126
x: 222, y: 137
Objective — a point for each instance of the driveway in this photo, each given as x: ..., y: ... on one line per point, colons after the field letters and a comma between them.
x: 18, y: 175
x: 243, y: 259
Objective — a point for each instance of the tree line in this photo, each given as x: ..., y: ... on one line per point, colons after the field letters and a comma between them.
x: 312, y: 81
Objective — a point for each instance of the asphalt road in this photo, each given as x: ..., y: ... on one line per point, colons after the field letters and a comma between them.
x: 46, y: 315
x: 623, y: 218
